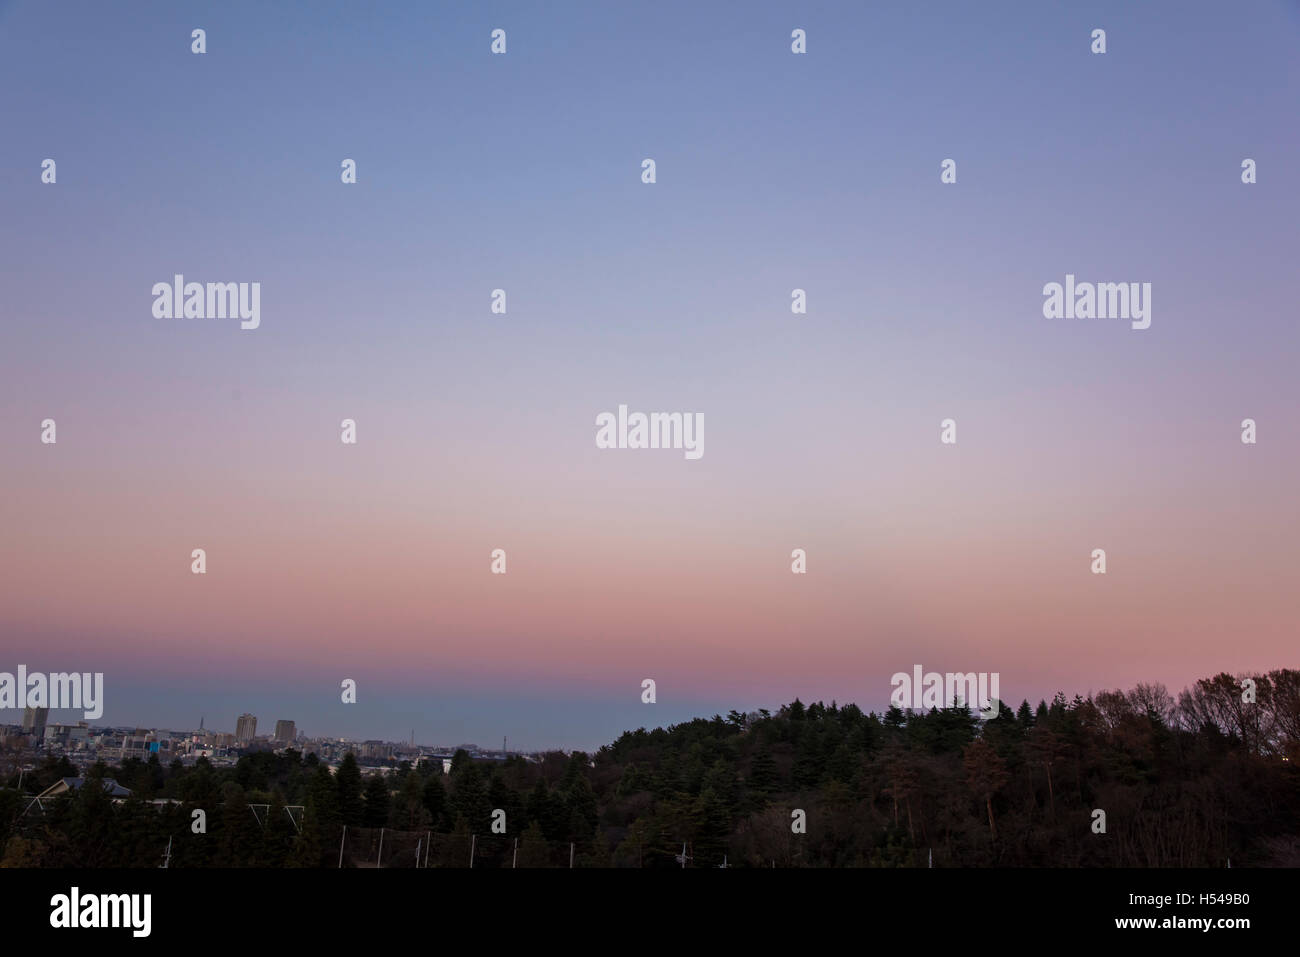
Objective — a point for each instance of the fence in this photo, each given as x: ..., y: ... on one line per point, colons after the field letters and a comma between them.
x: 387, y: 847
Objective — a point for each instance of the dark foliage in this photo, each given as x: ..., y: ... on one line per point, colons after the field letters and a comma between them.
x: 1188, y: 782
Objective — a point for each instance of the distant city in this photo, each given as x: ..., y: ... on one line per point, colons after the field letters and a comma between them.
x: 84, y: 744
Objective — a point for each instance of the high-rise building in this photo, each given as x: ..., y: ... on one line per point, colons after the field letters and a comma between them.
x: 245, y: 728
x: 34, y: 720
x: 285, y: 732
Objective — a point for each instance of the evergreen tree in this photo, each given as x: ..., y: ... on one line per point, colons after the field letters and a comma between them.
x: 351, y: 805
x: 408, y: 810
x: 278, y: 833
x: 762, y: 772
x: 533, y: 851
x: 1025, y: 716
x: 240, y: 837
x: 322, y: 824
x: 459, y: 761
x: 469, y: 798
x: 93, y: 826
x: 435, y: 801
x: 895, y: 718
x: 596, y: 852
x: 377, y: 802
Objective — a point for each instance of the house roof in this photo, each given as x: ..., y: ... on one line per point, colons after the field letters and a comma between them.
x: 63, y: 785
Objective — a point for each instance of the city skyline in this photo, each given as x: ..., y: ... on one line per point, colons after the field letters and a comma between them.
x: 521, y: 740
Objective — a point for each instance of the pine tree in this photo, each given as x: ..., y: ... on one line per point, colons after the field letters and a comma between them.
x: 278, y: 833
x: 377, y: 802
x: 533, y: 851
x: 352, y: 807
x: 459, y: 761
x: 895, y: 718
x: 469, y: 798
x: 408, y: 810
x: 308, y: 850
x: 93, y: 827
x: 596, y: 852
x: 762, y: 771
x: 322, y: 822
x: 435, y: 801
x: 241, y: 837
x: 1025, y: 716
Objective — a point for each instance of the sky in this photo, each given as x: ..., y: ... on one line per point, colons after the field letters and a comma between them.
x: 476, y: 431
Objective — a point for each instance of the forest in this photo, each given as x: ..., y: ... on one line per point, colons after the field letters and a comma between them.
x: 1117, y: 779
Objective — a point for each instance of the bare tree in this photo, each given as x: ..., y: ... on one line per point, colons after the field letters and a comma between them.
x: 1155, y: 701
x: 1222, y: 701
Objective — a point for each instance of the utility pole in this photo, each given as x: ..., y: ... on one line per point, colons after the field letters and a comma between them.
x: 342, y: 840
x: 167, y: 857
x: 473, y: 841
x: 515, y: 861
x: 570, y: 855
x: 379, y: 861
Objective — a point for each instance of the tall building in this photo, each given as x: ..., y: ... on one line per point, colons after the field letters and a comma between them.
x: 34, y: 720
x: 285, y: 732
x: 245, y: 728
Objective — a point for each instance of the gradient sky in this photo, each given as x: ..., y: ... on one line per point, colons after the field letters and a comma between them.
x: 476, y: 431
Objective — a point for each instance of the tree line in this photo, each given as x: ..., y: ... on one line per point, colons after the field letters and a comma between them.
x: 1197, y: 780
